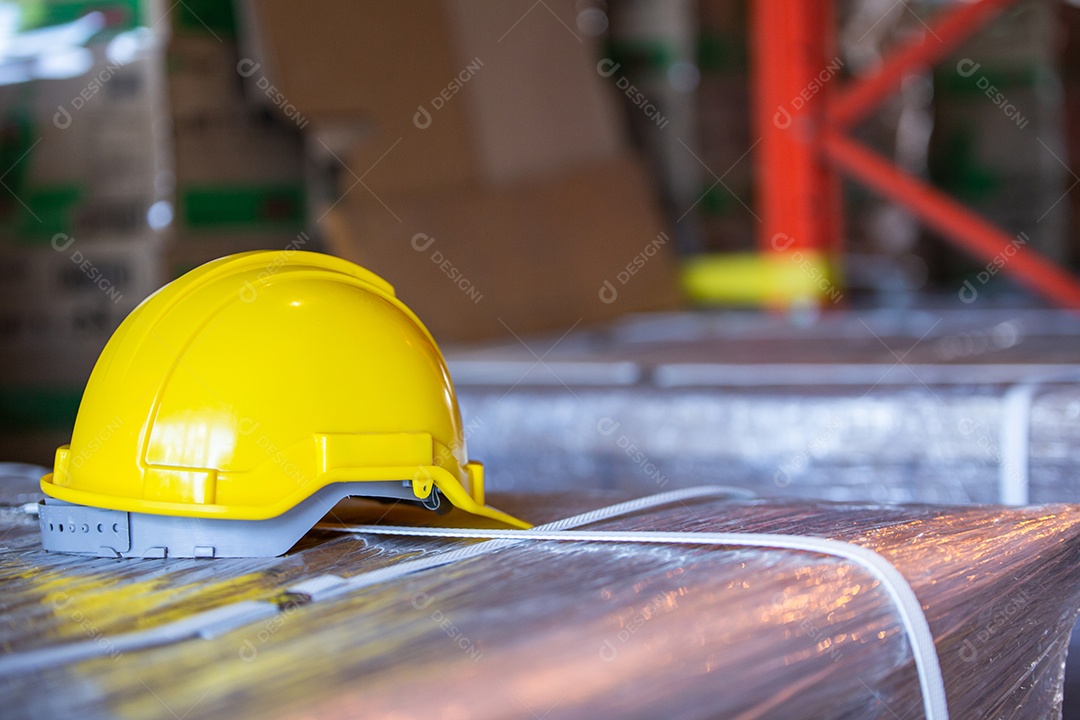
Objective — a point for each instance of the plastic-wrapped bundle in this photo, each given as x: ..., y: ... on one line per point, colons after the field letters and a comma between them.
x: 574, y: 629
x: 982, y: 408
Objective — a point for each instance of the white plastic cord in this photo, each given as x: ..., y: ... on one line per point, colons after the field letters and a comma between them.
x: 224, y: 619
x: 220, y: 620
x: 392, y: 572
x: 1013, y: 483
x: 1014, y: 462
x: 907, y: 604
x: 206, y: 625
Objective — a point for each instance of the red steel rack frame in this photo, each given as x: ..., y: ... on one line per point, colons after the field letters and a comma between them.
x: 802, y: 115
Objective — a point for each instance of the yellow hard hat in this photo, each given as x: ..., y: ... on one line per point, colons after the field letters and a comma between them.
x: 236, y: 405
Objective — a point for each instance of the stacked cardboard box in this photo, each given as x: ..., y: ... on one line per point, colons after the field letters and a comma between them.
x: 239, y: 170
x: 141, y: 163
x: 85, y: 200
x: 481, y: 159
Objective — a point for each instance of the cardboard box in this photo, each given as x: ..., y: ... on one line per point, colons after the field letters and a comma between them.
x: 85, y: 164
x: 238, y: 171
x: 240, y: 175
x: 202, y: 18
x: 82, y: 155
x: 456, y: 91
x: 482, y: 155
x: 60, y: 305
x: 202, y: 78
x: 579, y: 247
x: 120, y: 179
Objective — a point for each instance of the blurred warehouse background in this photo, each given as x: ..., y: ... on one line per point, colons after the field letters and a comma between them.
x: 822, y: 249
x: 512, y: 168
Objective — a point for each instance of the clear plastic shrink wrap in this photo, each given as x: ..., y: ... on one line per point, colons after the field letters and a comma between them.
x: 575, y: 629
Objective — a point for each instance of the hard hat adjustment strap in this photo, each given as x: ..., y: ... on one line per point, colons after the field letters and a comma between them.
x: 70, y: 528
x: 78, y: 528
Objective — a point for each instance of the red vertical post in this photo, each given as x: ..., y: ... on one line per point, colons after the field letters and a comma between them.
x: 796, y: 68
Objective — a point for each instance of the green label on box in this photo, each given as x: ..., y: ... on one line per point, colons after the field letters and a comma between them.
x: 53, y: 208
x: 119, y: 15
x: 36, y: 409
x: 973, y: 79
x: 642, y: 55
x: 719, y: 202
x: 720, y: 53
x: 30, y: 214
x: 34, y: 216
x: 957, y: 169
x: 214, y: 17
x: 232, y: 207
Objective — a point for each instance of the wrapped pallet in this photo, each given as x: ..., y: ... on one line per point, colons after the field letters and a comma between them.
x: 353, y: 625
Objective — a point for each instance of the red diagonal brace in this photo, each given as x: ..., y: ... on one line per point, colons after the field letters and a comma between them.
x: 945, y: 32
x: 953, y: 220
